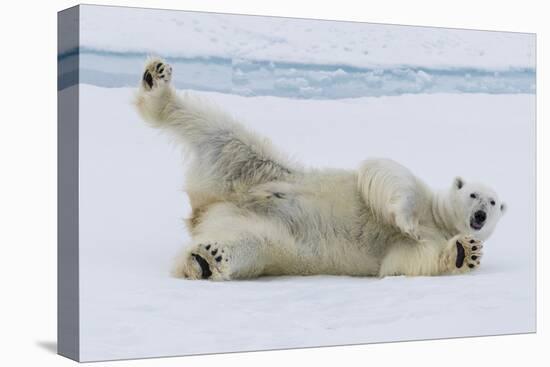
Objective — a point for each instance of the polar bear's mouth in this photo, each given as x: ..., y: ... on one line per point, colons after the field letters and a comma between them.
x: 477, y: 220
x: 475, y: 224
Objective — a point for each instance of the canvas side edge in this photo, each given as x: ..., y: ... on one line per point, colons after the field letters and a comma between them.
x: 68, y: 325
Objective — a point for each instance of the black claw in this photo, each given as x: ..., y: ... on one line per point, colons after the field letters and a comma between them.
x: 148, y: 78
x: 205, y: 268
x: 219, y: 258
x: 208, y: 247
x: 459, y: 255
x: 214, y: 252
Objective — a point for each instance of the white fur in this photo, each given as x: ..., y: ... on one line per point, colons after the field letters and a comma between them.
x: 256, y: 213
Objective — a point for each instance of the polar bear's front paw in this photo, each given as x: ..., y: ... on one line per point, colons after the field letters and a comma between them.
x: 468, y: 252
x: 207, y: 260
x: 156, y: 72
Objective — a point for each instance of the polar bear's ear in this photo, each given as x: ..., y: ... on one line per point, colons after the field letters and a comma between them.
x: 503, y: 208
x: 458, y: 182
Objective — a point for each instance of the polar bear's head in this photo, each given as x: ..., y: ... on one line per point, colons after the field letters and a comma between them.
x: 477, y: 208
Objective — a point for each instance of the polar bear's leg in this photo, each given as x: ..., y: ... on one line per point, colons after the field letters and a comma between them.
x: 459, y: 255
x: 227, y: 156
x: 410, y: 259
x: 230, y: 259
x: 393, y: 193
x: 232, y: 243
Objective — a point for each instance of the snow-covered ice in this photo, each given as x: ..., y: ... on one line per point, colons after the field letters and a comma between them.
x: 303, y: 58
x: 197, y: 34
x: 132, y: 205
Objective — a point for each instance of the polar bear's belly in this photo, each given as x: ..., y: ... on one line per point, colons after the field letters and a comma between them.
x: 333, y: 231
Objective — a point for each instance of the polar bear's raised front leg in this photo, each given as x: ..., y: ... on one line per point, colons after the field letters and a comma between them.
x: 393, y: 193
x: 459, y: 255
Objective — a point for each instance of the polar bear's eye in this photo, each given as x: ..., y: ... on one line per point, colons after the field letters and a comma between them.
x: 473, y: 196
x: 493, y: 202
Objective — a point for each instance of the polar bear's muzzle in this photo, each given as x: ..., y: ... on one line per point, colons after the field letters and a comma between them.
x: 477, y: 220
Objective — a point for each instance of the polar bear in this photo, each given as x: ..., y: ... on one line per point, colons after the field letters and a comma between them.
x: 254, y: 212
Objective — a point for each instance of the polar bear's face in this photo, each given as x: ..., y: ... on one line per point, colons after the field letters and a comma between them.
x: 477, y: 207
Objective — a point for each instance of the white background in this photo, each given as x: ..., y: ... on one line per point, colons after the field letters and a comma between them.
x: 27, y: 202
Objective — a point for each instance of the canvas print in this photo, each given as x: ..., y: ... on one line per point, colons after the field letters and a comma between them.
x: 235, y: 183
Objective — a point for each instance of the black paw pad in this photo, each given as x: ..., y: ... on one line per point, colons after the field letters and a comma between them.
x: 214, y: 252
x: 471, y: 265
x: 148, y: 78
x: 459, y: 255
x: 474, y: 248
x: 219, y: 258
x: 205, y: 268
x: 474, y: 257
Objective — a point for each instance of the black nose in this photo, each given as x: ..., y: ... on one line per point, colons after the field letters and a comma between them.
x: 480, y: 216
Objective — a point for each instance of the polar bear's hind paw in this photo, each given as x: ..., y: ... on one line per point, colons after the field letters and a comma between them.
x: 210, y: 261
x: 205, y: 268
x: 156, y: 71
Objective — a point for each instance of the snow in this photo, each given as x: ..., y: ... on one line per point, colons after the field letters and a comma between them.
x: 297, y: 58
x: 196, y: 34
x: 132, y: 205
x: 328, y: 81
